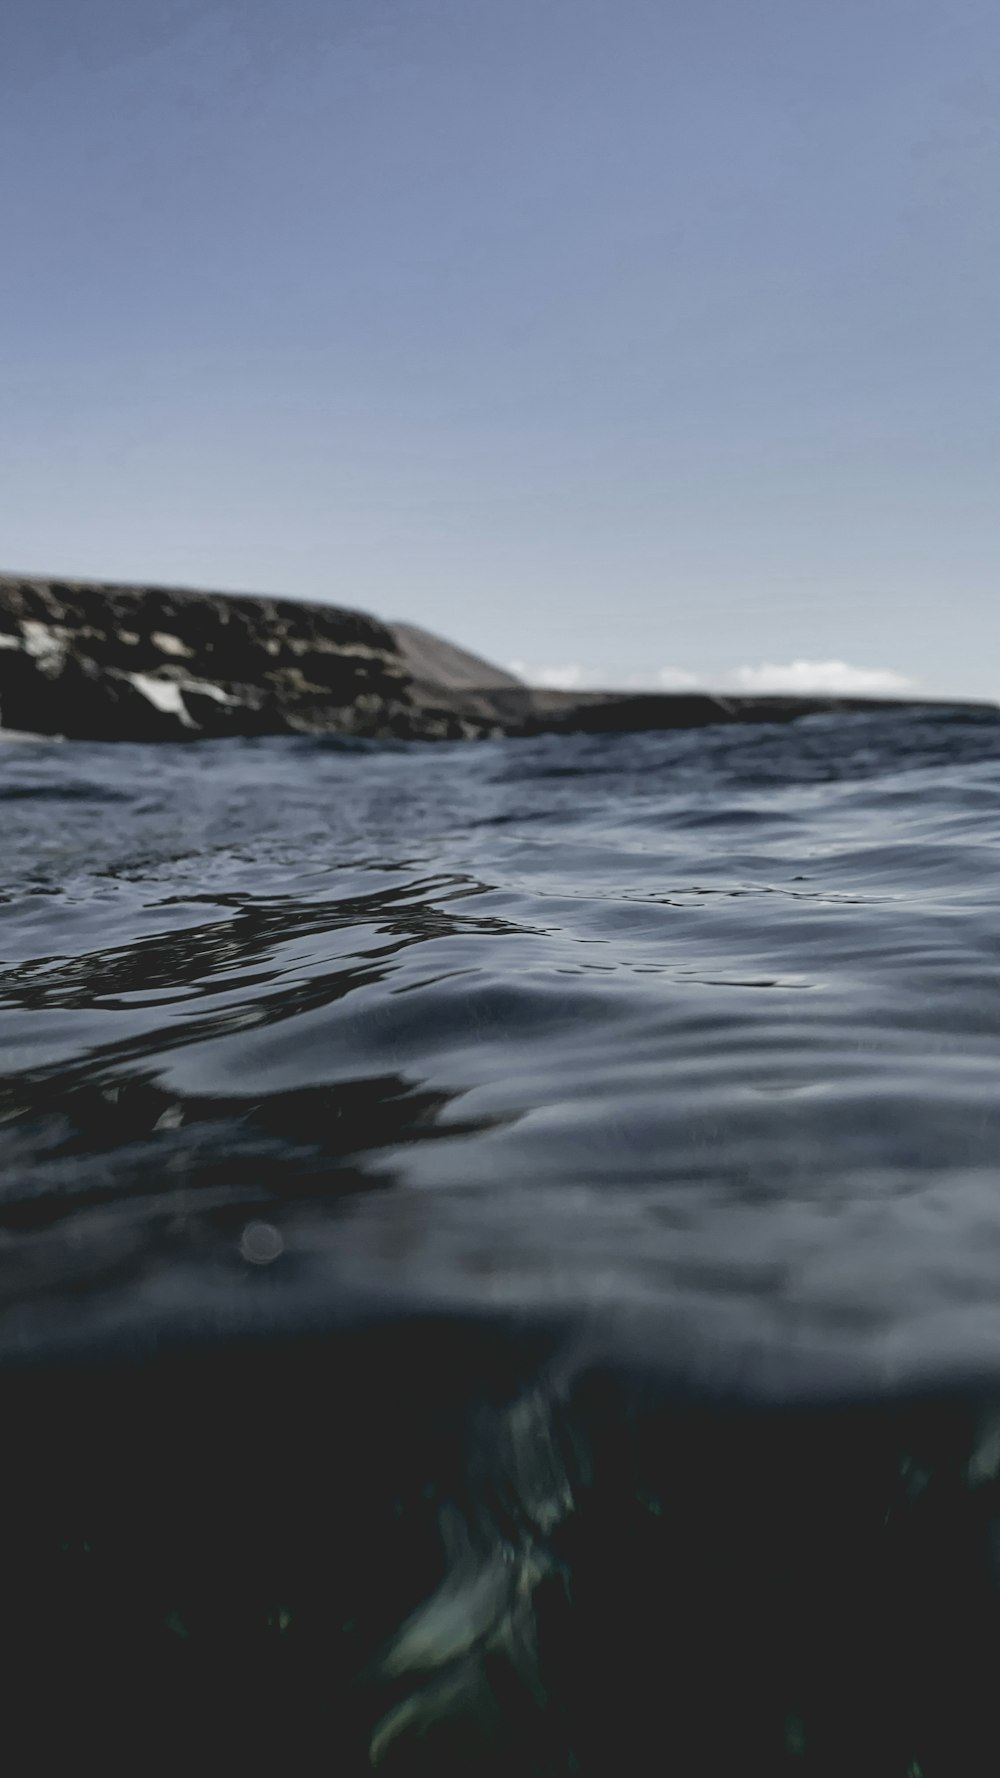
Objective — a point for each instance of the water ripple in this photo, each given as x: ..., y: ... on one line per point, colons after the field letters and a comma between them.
x: 703, y: 1025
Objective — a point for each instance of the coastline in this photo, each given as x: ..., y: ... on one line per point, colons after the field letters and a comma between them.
x: 89, y: 660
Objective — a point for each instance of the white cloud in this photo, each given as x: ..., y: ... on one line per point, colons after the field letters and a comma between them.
x: 677, y: 679
x: 574, y: 676
x: 835, y: 678
x: 569, y: 677
x: 805, y: 678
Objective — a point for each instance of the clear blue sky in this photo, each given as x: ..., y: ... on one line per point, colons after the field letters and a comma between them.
x: 605, y: 335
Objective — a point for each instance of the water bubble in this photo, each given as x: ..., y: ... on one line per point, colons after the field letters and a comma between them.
x: 260, y: 1243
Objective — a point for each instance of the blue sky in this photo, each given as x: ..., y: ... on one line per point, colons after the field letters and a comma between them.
x: 630, y: 340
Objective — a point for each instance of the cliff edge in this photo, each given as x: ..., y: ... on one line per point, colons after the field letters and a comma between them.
x: 102, y: 661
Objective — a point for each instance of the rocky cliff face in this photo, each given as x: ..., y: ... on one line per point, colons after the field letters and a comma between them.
x: 108, y: 662
x: 438, y: 665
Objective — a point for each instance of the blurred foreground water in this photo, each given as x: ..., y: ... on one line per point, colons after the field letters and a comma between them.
x: 502, y: 1252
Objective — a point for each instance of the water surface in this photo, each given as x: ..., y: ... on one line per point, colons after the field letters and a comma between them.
x: 693, y: 1036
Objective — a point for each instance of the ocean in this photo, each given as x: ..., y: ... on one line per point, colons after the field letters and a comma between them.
x: 501, y: 1250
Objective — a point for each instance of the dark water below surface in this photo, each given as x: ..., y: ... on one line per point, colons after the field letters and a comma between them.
x: 594, y: 1141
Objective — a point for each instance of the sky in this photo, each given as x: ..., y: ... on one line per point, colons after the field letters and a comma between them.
x: 639, y: 342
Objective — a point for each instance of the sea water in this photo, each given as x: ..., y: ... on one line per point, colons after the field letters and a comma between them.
x: 587, y: 1149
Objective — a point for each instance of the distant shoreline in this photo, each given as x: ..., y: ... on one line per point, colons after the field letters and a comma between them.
x: 91, y: 660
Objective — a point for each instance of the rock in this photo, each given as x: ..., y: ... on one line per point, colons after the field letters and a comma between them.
x: 107, y: 662
x: 440, y: 665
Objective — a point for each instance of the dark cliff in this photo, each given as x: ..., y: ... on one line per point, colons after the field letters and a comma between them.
x: 109, y: 662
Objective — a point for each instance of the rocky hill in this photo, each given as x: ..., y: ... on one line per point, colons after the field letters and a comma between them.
x: 111, y: 662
